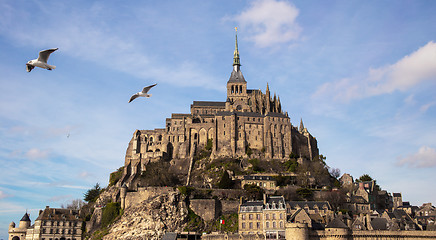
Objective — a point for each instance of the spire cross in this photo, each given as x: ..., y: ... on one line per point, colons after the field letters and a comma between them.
x: 236, y: 61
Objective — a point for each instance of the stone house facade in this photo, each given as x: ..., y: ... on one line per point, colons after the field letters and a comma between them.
x: 248, y: 122
x: 51, y: 224
x: 267, y: 217
x: 265, y: 182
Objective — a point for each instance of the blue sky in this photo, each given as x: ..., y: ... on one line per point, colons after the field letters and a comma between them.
x: 361, y: 75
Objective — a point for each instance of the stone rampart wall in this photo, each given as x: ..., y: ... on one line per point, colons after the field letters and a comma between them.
x: 229, y: 206
x: 145, y: 193
x: 232, y: 236
x: 302, y: 233
x: 207, y: 209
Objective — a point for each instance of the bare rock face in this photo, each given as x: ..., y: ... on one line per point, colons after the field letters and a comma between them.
x: 151, y: 218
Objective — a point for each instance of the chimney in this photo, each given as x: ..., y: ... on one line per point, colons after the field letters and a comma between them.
x: 264, y: 198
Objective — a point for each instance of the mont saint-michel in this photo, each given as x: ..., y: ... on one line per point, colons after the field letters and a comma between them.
x: 236, y: 169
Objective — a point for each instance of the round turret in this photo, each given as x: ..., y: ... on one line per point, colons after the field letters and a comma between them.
x: 25, y: 221
x: 12, y: 225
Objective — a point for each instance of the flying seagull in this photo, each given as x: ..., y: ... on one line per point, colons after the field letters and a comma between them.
x: 41, y: 61
x: 143, y: 93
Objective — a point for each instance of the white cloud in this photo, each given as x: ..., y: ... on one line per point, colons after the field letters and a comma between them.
x: 425, y: 107
x: 408, y: 72
x: 36, y: 153
x: 270, y: 22
x: 3, y: 195
x: 425, y: 157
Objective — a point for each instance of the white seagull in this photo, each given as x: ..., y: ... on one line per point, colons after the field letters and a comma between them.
x: 143, y: 93
x: 41, y: 61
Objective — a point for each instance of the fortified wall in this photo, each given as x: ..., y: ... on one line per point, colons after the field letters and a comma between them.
x: 247, y: 122
x: 300, y: 231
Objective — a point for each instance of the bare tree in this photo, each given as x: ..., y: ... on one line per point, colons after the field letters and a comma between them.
x: 335, y: 172
x: 75, y: 204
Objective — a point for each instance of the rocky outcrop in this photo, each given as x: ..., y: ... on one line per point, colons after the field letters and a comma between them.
x: 151, y: 218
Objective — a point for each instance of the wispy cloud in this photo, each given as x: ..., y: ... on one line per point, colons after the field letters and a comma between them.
x: 3, y: 195
x: 425, y: 157
x: 408, y: 72
x: 36, y: 153
x: 425, y: 107
x: 270, y: 22
x: 92, y: 40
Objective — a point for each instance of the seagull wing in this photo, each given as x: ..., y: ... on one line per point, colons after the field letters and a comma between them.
x: 134, y: 97
x: 146, y: 89
x: 43, y: 55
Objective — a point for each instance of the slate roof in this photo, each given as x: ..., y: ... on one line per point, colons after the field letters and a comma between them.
x: 25, y: 218
x: 252, y: 203
x: 249, y: 114
x: 274, y: 114
x: 208, y: 104
x: 397, y: 194
x: 180, y: 115
x: 336, y: 223
x: 59, y: 214
x: 258, y: 178
x: 236, y: 77
x: 379, y: 223
x: 224, y: 113
x: 310, y: 204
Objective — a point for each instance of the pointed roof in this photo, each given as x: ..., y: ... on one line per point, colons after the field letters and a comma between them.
x: 336, y: 223
x: 236, y: 60
x: 25, y: 218
x: 301, y: 125
x: 236, y: 75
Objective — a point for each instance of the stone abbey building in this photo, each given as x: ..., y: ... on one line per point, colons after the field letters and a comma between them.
x: 248, y: 121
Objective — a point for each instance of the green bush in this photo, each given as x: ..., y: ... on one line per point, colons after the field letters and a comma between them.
x: 115, y: 176
x: 291, y: 165
x: 304, y: 193
x: 92, y: 194
x: 293, y: 155
x: 255, y: 165
x: 225, y: 182
x: 186, y: 191
x: 209, y: 144
x: 110, y: 212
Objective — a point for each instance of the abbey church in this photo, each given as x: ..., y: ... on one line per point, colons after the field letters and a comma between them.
x: 248, y: 121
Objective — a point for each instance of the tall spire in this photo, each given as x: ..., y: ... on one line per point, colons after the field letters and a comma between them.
x: 301, y: 125
x: 236, y: 61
